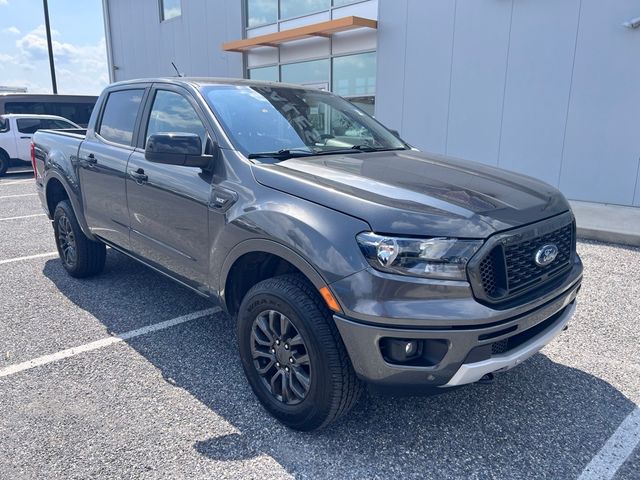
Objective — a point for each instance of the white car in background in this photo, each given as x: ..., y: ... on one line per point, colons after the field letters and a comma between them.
x: 16, y: 131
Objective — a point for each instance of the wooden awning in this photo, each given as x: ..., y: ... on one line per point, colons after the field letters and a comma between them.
x: 322, y: 29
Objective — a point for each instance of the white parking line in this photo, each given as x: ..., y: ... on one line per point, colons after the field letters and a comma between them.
x: 16, y: 182
x: 19, y: 259
x: 23, y: 216
x: 616, y: 451
x: 19, y: 195
x: 105, y: 342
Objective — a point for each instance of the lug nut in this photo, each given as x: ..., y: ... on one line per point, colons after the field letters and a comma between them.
x: 286, y: 346
x: 277, y: 342
x: 273, y: 350
x: 290, y: 359
x: 278, y: 364
x: 286, y: 369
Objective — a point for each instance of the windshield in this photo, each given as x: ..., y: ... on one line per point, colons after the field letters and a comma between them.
x: 271, y: 119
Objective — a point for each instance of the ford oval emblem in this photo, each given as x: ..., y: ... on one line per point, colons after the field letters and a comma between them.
x: 546, y: 255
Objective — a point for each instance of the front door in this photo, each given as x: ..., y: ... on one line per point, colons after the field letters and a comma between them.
x: 168, y: 204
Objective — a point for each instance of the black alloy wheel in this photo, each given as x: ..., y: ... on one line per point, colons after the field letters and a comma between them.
x: 67, y: 242
x: 280, y: 357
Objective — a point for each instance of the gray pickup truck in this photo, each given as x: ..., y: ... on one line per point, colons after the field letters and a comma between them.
x: 346, y: 256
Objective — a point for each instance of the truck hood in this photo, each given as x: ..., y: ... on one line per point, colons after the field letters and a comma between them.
x: 413, y: 193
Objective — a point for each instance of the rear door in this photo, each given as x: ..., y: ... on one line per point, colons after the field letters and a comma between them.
x: 102, y: 162
x: 168, y: 209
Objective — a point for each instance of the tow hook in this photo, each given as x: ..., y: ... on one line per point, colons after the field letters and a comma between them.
x: 486, y: 379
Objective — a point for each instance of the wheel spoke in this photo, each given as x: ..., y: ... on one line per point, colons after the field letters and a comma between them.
x: 260, y: 354
x: 284, y: 326
x: 302, y: 377
x: 262, y: 370
x: 260, y: 341
x: 273, y: 316
x: 274, y: 383
x: 296, y: 340
x: 262, y: 324
x: 302, y: 359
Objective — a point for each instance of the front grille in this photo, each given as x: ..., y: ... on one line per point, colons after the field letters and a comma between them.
x: 522, y: 270
x: 509, y: 268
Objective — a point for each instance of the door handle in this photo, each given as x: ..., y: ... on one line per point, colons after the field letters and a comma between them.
x: 139, y: 176
x: 26, y: 137
x: 91, y: 158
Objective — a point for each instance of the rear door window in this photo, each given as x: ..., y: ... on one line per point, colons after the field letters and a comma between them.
x: 119, y: 116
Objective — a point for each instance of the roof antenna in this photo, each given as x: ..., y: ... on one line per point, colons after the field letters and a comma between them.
x: 176, y: 69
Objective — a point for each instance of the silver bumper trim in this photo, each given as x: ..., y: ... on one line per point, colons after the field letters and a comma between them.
x: 472, y: 372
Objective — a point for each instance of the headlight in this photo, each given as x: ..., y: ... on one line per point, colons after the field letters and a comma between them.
x: 444, y: 258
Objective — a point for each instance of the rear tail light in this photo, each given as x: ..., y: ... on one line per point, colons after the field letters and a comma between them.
x: 33, y: 159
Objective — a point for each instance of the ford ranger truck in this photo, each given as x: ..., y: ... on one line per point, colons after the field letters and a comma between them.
x: 346, y: 256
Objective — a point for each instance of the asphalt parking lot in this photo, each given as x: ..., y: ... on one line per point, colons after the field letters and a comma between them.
x: 173, y: 403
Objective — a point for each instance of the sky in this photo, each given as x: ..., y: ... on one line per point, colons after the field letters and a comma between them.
x: 78, y: 45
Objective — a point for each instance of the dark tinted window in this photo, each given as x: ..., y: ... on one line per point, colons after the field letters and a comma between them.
x: 30, y: 125
x: 78, y: 112
x: 172, y: 113
x: 4, y: 125
x: 119, y: 116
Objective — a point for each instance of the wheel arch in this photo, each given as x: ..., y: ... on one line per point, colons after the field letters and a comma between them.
x: 237, y: 277
x: 56, y: 188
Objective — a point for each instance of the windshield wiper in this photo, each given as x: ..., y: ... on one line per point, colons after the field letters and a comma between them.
x: 369, y: 148
x: 282, y: 154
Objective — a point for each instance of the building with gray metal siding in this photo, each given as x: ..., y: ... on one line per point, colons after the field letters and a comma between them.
x: 548, y: 88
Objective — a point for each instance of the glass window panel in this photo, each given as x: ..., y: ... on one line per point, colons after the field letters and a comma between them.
x: 305, y: 73
x: 297, y: 8
x: 172, y: 113
x: 366, y: 104
x: 270, y: 118
x: 261, y: 12
x: 119, y: 116
x: 171, y: 9
x: 339, y: 3
x: 264, y: 73
x: 355, y: 75
x: 76, y: 112
x: 29, y: 125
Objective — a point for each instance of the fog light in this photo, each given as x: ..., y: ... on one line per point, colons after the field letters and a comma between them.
x: 398, y: 350
x: 411, y: 348
x: 412, y: 351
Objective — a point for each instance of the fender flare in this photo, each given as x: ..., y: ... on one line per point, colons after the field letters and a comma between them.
x: 73, y: 198
x: 267, y: 246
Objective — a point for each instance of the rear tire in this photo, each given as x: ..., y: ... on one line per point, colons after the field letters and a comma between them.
x: 80, y: 256
x: 293, y: 356
x: 4, y: 163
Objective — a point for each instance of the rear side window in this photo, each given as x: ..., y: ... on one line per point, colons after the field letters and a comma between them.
x: 29, y: 125
x: 4, y: 125
x: 119, y: 116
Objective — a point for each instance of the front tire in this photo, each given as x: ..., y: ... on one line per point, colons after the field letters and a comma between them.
x: 80, y: 256
x: 293, y: 356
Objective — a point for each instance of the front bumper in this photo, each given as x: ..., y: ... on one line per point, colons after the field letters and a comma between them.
x: 469, y: 354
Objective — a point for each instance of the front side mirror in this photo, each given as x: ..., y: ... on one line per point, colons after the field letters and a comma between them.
x: 183, y: 149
